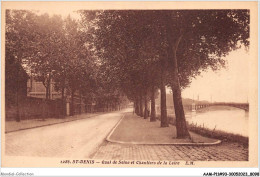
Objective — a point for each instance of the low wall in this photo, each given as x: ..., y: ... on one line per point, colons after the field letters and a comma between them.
x: 32, y: 108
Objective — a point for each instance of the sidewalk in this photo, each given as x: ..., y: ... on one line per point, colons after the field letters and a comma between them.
x: 136, y: 130
x: 135, y: 138
x: 11, y: 126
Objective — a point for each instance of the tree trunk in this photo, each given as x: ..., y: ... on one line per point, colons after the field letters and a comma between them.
x: 45, y: 110
x: 18, y: 117
x: 164, y: 118
x: 63, y: 106
x: 153, y: 115
x: 181, y: 127
x: 49, y: 87
x: 47, y: 92
x: 136, y: 106
x: 145, y: 107
x: 173, y: 43
x: 141, y: 107
x: 72, y: 103
x: 80, y: 99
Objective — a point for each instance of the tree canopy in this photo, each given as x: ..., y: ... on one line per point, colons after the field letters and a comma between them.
x: 139, y: 46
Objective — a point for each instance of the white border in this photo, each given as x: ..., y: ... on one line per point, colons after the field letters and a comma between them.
x: 126, y: 171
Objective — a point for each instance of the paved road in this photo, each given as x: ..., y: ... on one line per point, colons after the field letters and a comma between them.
x: 82, y: 139
x: 77, y: 139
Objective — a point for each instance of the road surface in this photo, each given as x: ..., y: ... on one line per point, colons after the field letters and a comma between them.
x: 224, y: 152
x: 77, y: 139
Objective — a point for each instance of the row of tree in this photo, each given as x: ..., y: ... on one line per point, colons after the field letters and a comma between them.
x: 51, y: 48
x: 146, y: 50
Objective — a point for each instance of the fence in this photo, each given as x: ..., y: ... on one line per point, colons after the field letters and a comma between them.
x: 35, y: 108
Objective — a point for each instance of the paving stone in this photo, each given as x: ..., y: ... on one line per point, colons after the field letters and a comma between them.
x: 223, y: 152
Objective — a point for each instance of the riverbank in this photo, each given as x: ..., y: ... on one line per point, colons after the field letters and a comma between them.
x: 218, y: 134
x: 212, y: 133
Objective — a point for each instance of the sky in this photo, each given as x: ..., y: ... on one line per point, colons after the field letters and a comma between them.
x: 64, y: 12
x: 227, y: 85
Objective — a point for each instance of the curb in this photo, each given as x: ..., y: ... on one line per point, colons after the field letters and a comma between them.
x: 181, y: 144
x: 144, y: 143
x: 6, y: 132
x: 105, y: 140
x: 112, y: 131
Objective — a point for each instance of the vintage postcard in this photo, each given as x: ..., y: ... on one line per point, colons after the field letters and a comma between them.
x: 129, y: 84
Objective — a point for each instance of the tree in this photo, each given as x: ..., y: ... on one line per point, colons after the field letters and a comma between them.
x: 209, y: 35
x: 122, y: 41
x: 51, y: 49
x: 18, y: 48
x: 48, y: 44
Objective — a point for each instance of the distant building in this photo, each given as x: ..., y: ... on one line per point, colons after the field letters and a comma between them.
x: 36, y: 89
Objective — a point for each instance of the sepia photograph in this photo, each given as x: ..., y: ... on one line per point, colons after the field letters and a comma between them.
x: 129, y: 84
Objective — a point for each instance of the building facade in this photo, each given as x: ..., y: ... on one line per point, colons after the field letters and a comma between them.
x: 37, y: 89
